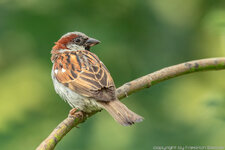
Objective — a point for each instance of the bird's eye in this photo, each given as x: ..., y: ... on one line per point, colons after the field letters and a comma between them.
x: 78, y: 40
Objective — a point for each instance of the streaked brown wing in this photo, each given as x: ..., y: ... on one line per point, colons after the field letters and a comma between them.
x: 84, y: 73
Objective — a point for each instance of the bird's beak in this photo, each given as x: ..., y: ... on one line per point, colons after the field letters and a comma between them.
x: 91, y: 42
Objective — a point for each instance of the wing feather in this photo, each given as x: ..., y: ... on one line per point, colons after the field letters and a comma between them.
x: 85, y: 74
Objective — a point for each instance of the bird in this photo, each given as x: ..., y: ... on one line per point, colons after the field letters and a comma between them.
x: 83, y: 81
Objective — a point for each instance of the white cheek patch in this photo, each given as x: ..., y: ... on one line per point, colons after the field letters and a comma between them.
x: 56, y: 71
x: 75, y: 47
x: 63, y: 70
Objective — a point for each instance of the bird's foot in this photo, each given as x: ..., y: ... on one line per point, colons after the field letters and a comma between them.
x: 76, y: 113
x: 73, y: 111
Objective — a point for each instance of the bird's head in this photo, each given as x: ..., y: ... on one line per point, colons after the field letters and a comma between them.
x: 74, y: 41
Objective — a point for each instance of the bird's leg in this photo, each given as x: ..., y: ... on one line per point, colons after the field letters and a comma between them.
x: 73, y: 111
x: 76, y: 113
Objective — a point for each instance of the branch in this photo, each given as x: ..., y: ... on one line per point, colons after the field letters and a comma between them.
x: 127, y: 89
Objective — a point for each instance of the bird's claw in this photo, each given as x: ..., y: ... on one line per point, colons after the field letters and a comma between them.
x: 73, y: 111
x: 76, y: 113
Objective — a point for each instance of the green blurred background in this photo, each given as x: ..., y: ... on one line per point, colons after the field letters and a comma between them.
x: 138, y: 37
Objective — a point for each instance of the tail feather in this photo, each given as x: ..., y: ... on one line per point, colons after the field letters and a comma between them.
x: 121, y: 113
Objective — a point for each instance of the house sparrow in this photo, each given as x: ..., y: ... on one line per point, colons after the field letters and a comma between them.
x: 83, y: 81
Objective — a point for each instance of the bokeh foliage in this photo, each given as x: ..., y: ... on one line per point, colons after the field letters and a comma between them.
x: 138, y: 37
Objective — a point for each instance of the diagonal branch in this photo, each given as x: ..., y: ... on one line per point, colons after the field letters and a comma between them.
x: 127, y: 89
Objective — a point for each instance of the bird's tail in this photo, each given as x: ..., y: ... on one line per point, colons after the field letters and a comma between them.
x: 121, y: 113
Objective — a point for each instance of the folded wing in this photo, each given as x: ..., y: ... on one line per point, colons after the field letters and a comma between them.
x: 85, y: 74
